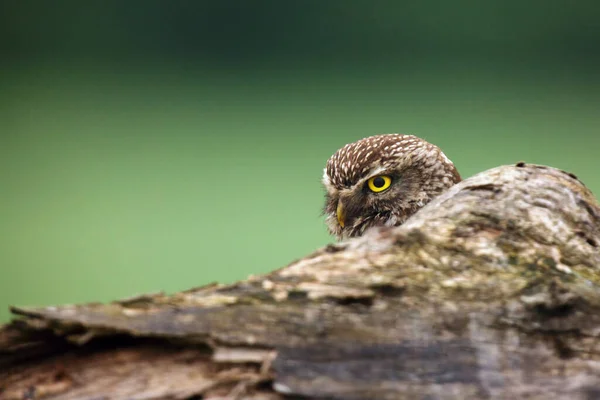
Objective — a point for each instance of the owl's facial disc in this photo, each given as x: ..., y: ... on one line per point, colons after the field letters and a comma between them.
x: 352, y: 204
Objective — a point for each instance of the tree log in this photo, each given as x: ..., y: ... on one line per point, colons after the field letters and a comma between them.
x: 491, y: 291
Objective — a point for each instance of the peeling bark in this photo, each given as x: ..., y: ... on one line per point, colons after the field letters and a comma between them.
x: 491, y: 291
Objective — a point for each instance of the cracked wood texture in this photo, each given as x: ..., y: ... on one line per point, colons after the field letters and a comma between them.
x: 489, y: 292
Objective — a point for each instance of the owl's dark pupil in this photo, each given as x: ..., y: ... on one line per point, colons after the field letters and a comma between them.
x: 378, y: 182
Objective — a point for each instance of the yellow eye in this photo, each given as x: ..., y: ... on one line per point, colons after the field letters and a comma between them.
x: 379, y: 183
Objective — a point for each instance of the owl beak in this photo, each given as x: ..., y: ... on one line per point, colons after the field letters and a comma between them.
x: 341, y: 215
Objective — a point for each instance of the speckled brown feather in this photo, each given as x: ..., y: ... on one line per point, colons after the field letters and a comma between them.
x: 421, y: 169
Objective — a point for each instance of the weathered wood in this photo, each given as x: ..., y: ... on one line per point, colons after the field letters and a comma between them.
x: 490, y: 291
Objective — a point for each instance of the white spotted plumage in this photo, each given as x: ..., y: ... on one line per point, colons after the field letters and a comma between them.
x: 420, y: 169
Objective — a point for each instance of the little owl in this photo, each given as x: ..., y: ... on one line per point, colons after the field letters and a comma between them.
x: 381, y: 181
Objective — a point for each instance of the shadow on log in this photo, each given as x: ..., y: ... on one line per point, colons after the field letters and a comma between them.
x: 490, y: 291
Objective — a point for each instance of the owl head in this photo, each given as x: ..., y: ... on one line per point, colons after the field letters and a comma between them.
x: 381, y: 181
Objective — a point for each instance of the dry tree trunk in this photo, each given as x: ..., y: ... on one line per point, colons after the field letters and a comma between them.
x: 491, y: 291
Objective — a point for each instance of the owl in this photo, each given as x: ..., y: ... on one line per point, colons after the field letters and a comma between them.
x: 381, y: 181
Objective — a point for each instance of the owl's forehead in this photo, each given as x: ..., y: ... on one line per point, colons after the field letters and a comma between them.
x: 356, y: 160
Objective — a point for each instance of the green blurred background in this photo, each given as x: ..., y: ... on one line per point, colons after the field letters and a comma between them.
x: 159, y: 145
